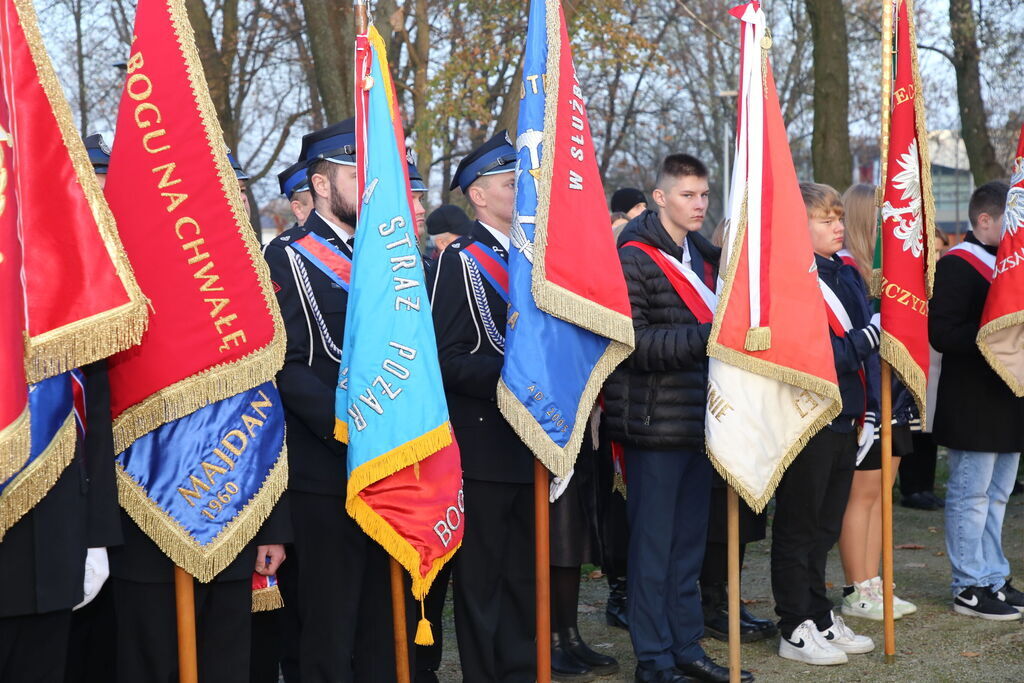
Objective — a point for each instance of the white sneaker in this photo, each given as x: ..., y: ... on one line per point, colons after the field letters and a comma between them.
x: 842, y: 636
x: 807, y: 645
x: 900, y: 607
x: 864, y: 602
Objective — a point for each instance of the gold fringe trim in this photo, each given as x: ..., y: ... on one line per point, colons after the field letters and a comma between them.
x: 619, y: 484
x: 886, y: 115
x: 398, y: 458
x: 560, y: 460
x: 15, y: 445
x: 921, y: 131
x: 35, y: 481
x: 758, y: 366
x: 104, y: 334
x: 909, y: 372
x: 999, y: 324
x: 341, y: 430
x: 203, y: 562
x: 192, y: 393
x: 758, y: 339
x: 267, y: 599
x: 875, y: 286
x: 225, y: 379
x: 383, y: 533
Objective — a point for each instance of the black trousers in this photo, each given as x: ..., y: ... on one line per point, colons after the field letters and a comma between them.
x: 33, y: 647
x: 611, y: 515
x: 275, y: 634
x: 147, y: 631
x: 92, y: 644
x: 917, y: 473
x: 809, y: 506
x: 428, y: 657
x: 344, y: 596
x: 494, y: 584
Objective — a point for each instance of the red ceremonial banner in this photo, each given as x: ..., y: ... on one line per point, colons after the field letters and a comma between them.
x: 14, y: 417
x: 1001, y: 337
x: 181, y: 218
x: 907, y: 217
x: 83, y: 302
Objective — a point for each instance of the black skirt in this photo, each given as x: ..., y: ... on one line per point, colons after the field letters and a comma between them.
x: 574, y: 534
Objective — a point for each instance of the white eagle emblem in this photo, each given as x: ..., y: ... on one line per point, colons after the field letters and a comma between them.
x: 1013, y: 219
x: 909, y: 224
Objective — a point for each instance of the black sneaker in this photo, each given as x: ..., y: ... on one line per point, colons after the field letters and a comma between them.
x: 1011, y: 596
x: 978, y: 601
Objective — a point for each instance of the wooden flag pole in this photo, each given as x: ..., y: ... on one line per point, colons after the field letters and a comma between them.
x: 542, y: 554
x: 401, y: 629
x: 185, y: 603
x: 733, y: 516
x: 887, y: 571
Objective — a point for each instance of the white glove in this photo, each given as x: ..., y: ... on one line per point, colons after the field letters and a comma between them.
x: 876, y: 320
x: 864, y: 441
x: 97, y: 569
x: 558, y: 486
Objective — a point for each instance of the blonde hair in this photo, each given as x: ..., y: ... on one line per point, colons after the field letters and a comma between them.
x: 718, y: 236
x: 821, y: 200
x: 861, y: 226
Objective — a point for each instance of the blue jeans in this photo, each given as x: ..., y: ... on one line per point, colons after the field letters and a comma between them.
x: 667, y: 506
x: 979, y: 486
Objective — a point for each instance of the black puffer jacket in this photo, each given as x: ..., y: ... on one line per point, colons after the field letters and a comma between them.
x: 656, y: 398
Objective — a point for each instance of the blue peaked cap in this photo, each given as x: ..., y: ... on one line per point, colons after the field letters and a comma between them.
x: 293, y: 179
x: 497, y: 155
x: 99, y: 153
x: 239, y: 172
x: 416, y: 183
x: 336, y: 143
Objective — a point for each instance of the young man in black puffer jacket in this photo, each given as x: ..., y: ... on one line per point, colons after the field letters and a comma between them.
x: 655, y: 404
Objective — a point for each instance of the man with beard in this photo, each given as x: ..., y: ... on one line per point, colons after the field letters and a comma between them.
x: 343, y: 589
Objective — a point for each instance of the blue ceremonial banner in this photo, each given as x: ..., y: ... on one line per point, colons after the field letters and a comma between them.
x: 224, y: 454
x: 569, y: 320
x: 404, y: 471
x: 51, y: 448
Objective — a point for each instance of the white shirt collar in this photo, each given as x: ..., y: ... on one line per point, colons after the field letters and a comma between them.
x: 686, y: 254
x: 343, y: 234
x: 502, y: 238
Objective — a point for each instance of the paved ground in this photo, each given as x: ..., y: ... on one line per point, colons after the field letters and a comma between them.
x: 933, y: 645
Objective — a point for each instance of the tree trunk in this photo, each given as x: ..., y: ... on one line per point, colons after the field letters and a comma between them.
x: 973, y: 119
x: 331, y: 40
x: 216, y: 68
x: 830, y: 142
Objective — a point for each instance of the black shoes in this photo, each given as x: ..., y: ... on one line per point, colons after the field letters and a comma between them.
x: 661, y: 676
x: 564, y: 666
x: 705, y: 669
x: 1010, y: 595
x: 573, y: 660
x: 615, y: 610
x: 984, y: 603
x: 600, y: 664
x: 920, y: 501
x: 715, y: 601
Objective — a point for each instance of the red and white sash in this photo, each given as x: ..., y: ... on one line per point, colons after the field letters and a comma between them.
x: 697, y: 296
x: 976, y: 255
x: 839, y: 322
x: 847, y: 256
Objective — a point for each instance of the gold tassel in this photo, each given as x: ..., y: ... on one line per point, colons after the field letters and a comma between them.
x: 758, y: 339
x: 267, y: 599
x: 424, y: 634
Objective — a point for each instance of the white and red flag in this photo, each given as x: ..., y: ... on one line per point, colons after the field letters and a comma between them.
x: 772, y: 382
x: 1001, y: 337
x: 908, y: 215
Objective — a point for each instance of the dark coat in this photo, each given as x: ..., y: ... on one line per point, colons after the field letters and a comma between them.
x: 42, y: 557
x: 856, y: 350
x: 656, y: 398
x: 975, y: 409
x: 471, y: 361
x: 316, y: 460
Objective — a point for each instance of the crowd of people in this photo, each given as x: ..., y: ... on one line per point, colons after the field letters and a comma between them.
x: 643, y: 503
